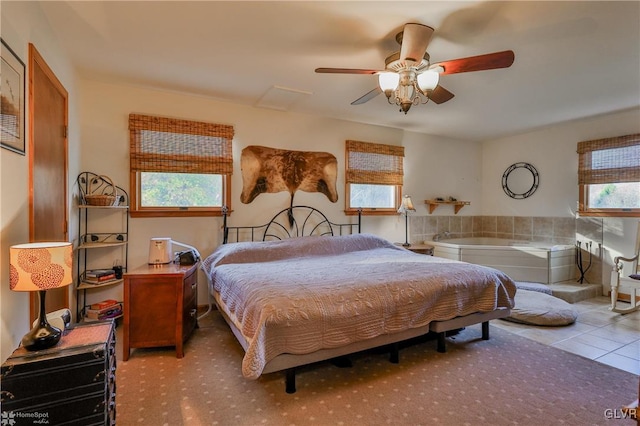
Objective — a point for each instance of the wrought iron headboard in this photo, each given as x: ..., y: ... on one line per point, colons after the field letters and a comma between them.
x: 296, y: 221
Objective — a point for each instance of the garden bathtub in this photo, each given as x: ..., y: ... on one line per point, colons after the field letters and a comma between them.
x: 522, y: 260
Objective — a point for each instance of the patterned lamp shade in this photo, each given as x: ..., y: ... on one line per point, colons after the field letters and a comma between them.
x: 40, y: 266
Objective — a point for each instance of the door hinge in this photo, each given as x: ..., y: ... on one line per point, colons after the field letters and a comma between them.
x: 65, y: 131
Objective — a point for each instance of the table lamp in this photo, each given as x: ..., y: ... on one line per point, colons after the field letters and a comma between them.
x: 40, y: 267
x: 405, y: 208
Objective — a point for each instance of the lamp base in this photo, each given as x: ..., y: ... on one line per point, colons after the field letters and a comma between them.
x: 406, y: 244
x: 42, y: 336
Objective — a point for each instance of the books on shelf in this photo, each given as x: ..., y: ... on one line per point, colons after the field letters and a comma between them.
x: 103, y: 304
x: 100, y: 280
x: 110, y: 309
x: 98, y: 276
x: 97, y: 273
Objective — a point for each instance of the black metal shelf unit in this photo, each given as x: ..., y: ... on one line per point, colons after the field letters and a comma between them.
x: 103, y: 238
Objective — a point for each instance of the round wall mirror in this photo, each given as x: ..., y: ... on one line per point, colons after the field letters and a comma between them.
x: 520, y: 180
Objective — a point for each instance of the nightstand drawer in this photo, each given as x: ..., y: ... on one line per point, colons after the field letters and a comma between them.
x: 65, y: 378
x: 74, y: 407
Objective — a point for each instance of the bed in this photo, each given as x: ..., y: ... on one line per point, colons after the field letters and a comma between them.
x: 309, y: 290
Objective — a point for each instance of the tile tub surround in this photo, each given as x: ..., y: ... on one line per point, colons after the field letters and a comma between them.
x: 555, y: 230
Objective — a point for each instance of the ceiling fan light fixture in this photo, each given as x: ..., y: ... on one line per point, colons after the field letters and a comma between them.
x: 388, y: 81
x: 428, y: 80
x: 405, y: 106
x: 408, y: 91
x: 410, y: 79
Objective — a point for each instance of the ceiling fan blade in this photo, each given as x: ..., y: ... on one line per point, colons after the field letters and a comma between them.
x: 440, y: 95
x: 489, y: 61
x: 345, y: 71
x: 414, y: 41
x: 367, y: 97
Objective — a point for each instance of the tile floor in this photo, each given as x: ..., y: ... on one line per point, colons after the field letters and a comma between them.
x: 597, y: 334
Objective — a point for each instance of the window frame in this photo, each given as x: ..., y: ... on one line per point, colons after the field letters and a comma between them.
x: 137, y: 210
x: 352, y: 177
x: 586, y: 178
x: 138, y: 122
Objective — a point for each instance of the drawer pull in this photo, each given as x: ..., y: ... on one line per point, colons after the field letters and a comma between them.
x: 194, y: 285
x: 6, y: 395
x: 193, y: 313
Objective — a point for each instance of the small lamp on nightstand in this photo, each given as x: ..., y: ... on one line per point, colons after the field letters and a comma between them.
x: 40, y: 267
x: 405, y: 208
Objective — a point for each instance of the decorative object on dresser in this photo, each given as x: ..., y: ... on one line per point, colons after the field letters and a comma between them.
x: 405, y: 208
x: 71, y: 383
x: 161, y: 252
x: 103, y: 232
x: 160, y: 306
x: 40, y: 267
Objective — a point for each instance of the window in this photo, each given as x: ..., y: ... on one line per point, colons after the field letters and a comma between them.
x: 179, y: 167
x: 609, y: 176
x: 374, y: 177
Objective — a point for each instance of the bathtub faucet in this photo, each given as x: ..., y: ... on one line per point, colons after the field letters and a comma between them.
x: 438, y: 237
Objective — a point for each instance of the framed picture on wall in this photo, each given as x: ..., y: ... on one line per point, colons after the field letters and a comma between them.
x: 11, y: 100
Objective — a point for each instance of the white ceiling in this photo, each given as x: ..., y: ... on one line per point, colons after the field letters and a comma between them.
x: 572, y: 59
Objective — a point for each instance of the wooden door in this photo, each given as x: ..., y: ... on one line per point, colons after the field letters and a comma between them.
x: 48, y: 216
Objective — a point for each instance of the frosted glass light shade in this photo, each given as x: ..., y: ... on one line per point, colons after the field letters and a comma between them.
x: 428, y: 80
x: 388, y: 80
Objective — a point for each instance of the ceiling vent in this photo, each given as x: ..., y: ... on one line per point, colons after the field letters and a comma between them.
x: 281, y: 98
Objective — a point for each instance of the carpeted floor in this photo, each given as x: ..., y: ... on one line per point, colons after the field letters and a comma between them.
x: 506, y: 380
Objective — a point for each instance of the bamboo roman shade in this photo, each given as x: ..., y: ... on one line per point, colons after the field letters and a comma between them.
x: 373, y: 163
x: 159, y: 144
x: 610, y: 160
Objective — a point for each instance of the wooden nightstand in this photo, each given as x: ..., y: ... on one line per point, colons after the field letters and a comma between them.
x: 160, y: 306
x: 419, y: 248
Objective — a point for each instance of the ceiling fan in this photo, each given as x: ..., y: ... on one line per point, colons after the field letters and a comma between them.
x: 410, y: 79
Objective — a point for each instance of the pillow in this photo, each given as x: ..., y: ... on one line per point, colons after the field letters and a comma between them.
x: 525, y: 285
x: 536, y: 308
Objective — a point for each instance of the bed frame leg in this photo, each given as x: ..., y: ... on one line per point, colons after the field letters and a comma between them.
x: 290, y: 380
x: 485, y: 330
x: 394, y: 356
x: 442, y: 343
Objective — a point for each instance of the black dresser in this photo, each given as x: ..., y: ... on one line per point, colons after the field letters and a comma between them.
x: 72, y: 383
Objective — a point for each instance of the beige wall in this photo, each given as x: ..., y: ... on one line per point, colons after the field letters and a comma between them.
x: 433, y: 165
x: 552, y: 151
x: 23, y: 23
